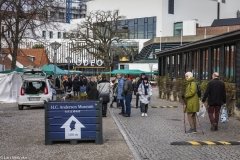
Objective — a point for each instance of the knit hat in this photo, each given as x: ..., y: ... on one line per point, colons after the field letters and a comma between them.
x: 145, y: 78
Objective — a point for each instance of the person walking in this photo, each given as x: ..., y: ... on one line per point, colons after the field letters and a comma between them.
x: 145, y: 93
x: 120, y: 96
x: 138, y: 82
x: 216, y: 95
x: 76, y: 86
x: 92, y: 92
x: 191, y: 101
x: 114, y: 93
x: 103, y: 88
x: 128, y: 91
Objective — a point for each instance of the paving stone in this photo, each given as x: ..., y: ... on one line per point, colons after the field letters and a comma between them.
x: 152, y: 135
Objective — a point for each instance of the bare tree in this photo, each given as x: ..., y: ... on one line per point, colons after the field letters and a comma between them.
x: 21, y: 19
x: 98, y: 32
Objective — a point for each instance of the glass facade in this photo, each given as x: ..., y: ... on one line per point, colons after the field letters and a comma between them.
x: 139, y: 28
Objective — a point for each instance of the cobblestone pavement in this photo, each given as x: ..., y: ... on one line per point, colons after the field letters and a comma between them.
x: 150, y: 137
x: 22, y: 137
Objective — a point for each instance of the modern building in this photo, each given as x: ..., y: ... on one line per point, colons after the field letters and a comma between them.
x: 171, y: 16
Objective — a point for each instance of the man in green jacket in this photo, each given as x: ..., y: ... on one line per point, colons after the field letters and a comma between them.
x: 192, y: 101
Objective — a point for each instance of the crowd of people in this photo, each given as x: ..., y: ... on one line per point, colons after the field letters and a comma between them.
x: 122, y: 87
x: 119, y: 90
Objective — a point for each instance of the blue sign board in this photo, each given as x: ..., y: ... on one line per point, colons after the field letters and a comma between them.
x: 72, y: 120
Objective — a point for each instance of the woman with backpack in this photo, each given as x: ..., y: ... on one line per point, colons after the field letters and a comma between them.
x: 103, y: 88
x: 191, y: 100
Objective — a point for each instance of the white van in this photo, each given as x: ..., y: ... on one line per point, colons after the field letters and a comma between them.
x: 35, y: 90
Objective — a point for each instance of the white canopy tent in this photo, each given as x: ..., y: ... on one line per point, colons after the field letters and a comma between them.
x: 10, y: 84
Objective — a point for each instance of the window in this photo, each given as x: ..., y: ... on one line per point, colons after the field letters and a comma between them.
x: 170, y: 6
x: 44, y: 34
x: 61, y: 15
x: 59, y: 35
x: 50, y: 34
x: 178, y: 29
x: 64, y: 35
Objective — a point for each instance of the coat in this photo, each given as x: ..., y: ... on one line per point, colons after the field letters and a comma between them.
x: 141, y: 91
x: 215, y: 92
x: 191, y: 97
x: 120, y: 88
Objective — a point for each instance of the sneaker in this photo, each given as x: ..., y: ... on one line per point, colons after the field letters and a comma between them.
x: 142, y: 115
x: 191, y: 131
x: 145, y: 115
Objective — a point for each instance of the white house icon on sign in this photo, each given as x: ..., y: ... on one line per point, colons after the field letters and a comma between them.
x: 72, y: 128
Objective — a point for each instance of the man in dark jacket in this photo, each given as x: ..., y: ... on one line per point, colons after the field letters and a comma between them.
x: 216, y: 95
x: 128, y: 90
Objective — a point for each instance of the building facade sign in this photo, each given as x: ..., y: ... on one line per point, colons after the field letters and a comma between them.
x: 89, y: 62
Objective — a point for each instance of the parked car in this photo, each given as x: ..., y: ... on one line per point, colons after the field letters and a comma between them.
x: 35, y: 90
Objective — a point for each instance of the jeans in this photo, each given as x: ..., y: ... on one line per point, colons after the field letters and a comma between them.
x: 128, y: 99
x: 137, y: 100
x: 121, y: 102
x: 104, y: 109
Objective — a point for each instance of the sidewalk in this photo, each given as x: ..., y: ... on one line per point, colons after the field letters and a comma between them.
x: 152, y: 136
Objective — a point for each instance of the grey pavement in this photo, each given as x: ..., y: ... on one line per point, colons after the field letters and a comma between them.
x: 22, y: 137
x: 150, y: 137
x: 125, y: 138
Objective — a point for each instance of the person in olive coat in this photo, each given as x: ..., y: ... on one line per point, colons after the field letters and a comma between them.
x: 192, y: 101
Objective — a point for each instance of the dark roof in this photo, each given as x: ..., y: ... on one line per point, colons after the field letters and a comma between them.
x: 226, y: 22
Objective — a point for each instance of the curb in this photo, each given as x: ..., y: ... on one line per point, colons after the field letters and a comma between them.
x: 125, y: 135
x: 164, y: 106
x: 198, y: 143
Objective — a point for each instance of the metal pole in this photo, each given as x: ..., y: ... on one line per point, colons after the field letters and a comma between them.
x: 181, y: 36
x: 160, y: 49
x: 68, y: 67
x: 218, y: 10
x: 55, y: 68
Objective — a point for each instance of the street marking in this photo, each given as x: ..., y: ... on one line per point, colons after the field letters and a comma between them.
x: 195, y: 143
x: 209, y: 143
x: 224, y: 142
x: 164, y: 106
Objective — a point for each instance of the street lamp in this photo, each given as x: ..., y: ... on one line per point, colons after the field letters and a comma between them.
x: 160, y: 41
x: 151, y: 66
x: 55, y: 45
x: 3, y: 55
x: 69, y: 59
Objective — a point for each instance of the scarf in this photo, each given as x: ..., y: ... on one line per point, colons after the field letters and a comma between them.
x: 145, y: 85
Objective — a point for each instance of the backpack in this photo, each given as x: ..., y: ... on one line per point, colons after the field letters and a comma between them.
x: 83, y: 89
x: 199, y: 90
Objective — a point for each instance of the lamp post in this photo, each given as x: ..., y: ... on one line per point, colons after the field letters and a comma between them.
x: 150, y: 66
x: 69, y: 59
x: 160, y: 41
x: 55, y: 45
